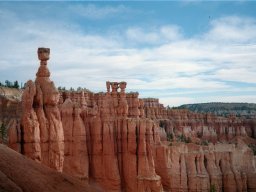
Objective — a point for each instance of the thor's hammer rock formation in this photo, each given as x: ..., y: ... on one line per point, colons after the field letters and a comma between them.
x: 41, y: 122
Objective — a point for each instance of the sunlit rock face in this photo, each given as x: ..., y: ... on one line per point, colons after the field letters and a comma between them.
x: 42, y: 137
x: 118, y: 144
x: 122, y: 142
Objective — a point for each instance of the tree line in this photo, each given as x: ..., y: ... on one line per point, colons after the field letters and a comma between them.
x: 17, y: 85
x: 10, y: 84
x: 73, y: 89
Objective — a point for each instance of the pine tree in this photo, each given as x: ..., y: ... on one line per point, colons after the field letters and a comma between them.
x: 3, y: 133
x: 16, y: 84
x: 7, y: 83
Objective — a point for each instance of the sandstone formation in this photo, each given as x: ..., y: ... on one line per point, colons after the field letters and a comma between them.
x: 124, y: 143
x: 10, y: 112
x: 76, y: 155
x: 119, y: 145
x: 196, y: 168
x: 197, y: 125
x: 41, y: 130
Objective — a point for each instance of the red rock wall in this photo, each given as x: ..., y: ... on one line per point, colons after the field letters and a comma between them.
x: 197, y: 125
x: 190, y: 167
x: 10, y: 113
x: 119, y: 145
x: 123, y: 151
x: 126, y: 154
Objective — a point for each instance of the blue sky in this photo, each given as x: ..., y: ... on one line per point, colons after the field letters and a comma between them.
x: 180, y: 52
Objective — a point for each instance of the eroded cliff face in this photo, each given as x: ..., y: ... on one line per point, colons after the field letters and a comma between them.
x: 199, y: 126
x: 121, y: 142
x: 190, y: 167
x: 10, y: 113
x: 118, y: 146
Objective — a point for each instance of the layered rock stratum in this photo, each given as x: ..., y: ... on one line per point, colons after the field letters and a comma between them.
x: 124, y: 143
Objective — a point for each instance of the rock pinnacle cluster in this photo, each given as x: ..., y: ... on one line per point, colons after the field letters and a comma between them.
x: 125, y: 143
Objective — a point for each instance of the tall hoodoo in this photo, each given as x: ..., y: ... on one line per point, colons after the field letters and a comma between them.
x: 41, y: 121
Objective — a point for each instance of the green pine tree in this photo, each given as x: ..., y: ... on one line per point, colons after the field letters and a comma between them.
x: 16, y: 84
x: 3, y: 133
x: 213, y: 188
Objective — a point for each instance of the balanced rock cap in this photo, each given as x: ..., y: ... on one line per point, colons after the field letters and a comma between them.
x: 43, y: 53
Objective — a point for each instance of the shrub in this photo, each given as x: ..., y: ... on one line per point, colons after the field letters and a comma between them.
x: 188, y: 140
x: 3, y: 133
x: 199, y: 134
x: 213, y: 188
x: 183, y: 138
x: 253, y: 148
x: 161, y: 124
x: 205, y: 142
x: 10, y: 84
x: 169, y: 137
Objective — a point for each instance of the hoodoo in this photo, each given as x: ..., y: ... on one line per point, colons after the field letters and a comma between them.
x: 124, y: 143
x: 41, y: 127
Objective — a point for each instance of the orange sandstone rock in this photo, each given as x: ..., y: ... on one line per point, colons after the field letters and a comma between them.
x: 41, y: 122
x: 120, y: 142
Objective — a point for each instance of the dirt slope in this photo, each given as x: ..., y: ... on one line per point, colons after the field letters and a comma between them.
x: 18, y: 173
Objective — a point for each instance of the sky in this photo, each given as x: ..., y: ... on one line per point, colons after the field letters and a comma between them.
x: 180, y: 52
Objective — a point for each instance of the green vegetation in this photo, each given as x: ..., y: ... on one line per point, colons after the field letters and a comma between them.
x: 205, y: 142
x: 183, y: 138
x: 161, y: 124
x: 10, y: 84
x: 247, y: 110
x: 3, y: 133
x: 213, y: 188
x: 253, y: 148
x: 72, y: 89
x: 61, y: 88
x: 169, y: 137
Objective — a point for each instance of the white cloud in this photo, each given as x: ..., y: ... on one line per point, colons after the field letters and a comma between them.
x: 233, y: 29
x: 92, y: 11
x: 156, y: 35
x: 171, y: 32
x: 176, y: 101
x: 235, y: 98
x: 180, y: 82
x: 237, y: 74
x: 203, y: 62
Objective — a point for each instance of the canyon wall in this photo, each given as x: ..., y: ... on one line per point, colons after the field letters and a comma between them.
x: 191, y: 167
x: 199, y: 126
x: 107, y: 142
x: 10, y: 113
x: 123, y: 143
